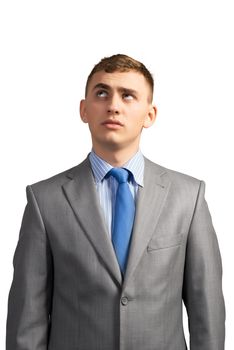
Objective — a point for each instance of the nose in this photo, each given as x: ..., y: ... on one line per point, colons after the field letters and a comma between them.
x: 114, y: 106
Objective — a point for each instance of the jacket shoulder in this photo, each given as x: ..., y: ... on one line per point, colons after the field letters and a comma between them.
x: 176, y: 177
x: 184, y: 188
x: 54, y: 182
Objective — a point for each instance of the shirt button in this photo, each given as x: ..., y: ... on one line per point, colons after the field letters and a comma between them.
x: 124, y: 300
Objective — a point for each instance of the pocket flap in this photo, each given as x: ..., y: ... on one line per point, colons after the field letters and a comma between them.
x: 163, y: 242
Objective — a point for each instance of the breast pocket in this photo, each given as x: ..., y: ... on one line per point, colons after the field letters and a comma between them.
x: 164, y: 242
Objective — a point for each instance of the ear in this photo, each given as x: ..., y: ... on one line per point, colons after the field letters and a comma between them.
x: 150, y: 117
x: 83, y: 113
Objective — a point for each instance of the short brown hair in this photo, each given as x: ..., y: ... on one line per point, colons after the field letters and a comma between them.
x: 121, y: 63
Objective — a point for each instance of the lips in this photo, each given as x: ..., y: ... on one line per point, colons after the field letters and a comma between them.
x: 112, y: 122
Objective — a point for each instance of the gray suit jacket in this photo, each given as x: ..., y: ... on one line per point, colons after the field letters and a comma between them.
x: 68, y: 293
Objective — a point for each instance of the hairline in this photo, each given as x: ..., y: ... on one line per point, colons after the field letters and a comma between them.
x: 150, y: 97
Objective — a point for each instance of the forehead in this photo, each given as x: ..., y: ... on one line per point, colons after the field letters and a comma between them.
x: 128, y: 80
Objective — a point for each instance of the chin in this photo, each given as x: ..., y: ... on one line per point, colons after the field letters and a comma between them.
x: 110, y: 140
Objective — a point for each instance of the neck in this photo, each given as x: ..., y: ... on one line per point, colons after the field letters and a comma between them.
x: 116, y: 158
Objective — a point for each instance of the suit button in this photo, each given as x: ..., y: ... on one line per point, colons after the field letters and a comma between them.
x: 124, y: 300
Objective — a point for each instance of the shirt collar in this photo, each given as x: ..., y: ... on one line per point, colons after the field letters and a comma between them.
x: 135, y: 164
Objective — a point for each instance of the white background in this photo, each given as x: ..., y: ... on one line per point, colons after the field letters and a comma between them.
x: 47, y: 50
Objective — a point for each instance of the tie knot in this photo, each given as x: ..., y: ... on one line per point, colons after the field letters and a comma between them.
x: 120, y: 174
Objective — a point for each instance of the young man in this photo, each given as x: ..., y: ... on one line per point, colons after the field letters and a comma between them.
x: 109, y: 248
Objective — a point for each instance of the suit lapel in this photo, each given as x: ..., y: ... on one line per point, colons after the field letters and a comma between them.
x: 81, y: 193
x: 151, y: 199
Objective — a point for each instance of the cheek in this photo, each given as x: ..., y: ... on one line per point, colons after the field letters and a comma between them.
x: 91, y: 110
x: 136, y: 119
x: 138, y: 112
x: 94, y: 108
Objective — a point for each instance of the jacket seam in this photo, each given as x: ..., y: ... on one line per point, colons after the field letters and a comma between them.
x: 37, y: 208
x: 195, y: 207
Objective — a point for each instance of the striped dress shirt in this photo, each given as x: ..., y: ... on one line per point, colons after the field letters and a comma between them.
x: 107, y: 187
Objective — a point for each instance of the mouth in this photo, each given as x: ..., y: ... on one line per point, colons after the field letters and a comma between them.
x: 112, y: 124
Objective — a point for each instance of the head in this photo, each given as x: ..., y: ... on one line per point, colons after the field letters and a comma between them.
x: 118, y: 104
x: 122, y: 63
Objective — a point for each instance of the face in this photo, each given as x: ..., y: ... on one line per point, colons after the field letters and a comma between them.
x: 117, y: 107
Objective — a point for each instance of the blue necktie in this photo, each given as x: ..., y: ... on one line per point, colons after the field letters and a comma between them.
x: 122, y: 221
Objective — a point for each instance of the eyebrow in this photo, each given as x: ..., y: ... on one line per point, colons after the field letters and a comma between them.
x: 122, y: 89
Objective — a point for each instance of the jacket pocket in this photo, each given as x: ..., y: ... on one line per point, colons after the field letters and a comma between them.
x: 163, y: 242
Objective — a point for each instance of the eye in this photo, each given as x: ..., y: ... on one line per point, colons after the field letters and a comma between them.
x: 128, y: 96
x: 101, y: 93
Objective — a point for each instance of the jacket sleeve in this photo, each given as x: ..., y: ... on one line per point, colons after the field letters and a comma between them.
x: 202, y: 289
x: 29, y: 303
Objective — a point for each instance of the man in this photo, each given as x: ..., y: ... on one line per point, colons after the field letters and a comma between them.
x: 109, y: 248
